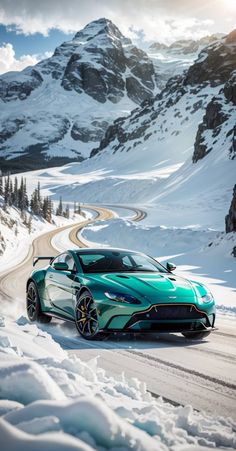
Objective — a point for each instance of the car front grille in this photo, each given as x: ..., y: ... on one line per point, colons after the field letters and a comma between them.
x: 168, y: 312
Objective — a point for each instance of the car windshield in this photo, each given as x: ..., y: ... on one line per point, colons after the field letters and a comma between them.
x: 117, y: 261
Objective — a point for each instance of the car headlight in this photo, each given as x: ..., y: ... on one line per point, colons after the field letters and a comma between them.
x: 206, y: 298
x: 119, y: 297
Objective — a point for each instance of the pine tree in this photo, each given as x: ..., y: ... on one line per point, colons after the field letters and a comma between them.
x: 66, y: 213
x: 38, y: 193
x: 50, y: 209
x: 15, y: 193
x: 1, y: 185
x: 7, y: 190
x: 47, y: 209
x: 59, y: 211
x: 25, y: 196
x: 36, y: 203
x: 21, y: 195
x: 11, y: 193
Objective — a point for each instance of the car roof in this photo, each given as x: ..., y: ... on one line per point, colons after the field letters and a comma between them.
x: 101, y: 249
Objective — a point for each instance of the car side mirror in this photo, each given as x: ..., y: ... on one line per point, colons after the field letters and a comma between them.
x: 170, y: 266
x: 61, y: 266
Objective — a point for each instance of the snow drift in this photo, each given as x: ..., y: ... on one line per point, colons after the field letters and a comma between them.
x: 62, y: 403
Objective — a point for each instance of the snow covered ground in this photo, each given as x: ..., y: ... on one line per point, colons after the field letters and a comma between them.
x: 16, y: 237
x: 62, y: 403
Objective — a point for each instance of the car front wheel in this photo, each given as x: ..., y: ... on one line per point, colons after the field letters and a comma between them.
x: 33, y: 305
x: 86, y: 317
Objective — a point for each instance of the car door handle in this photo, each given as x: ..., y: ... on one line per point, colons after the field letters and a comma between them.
x: 50, y: 277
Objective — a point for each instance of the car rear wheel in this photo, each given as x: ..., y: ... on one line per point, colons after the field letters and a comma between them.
x: 86, y: 317
x: 196, y: 335
x: 33, y: 305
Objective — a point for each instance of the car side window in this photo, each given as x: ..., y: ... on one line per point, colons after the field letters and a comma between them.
x: 65, y: 258
x: 70, y: 262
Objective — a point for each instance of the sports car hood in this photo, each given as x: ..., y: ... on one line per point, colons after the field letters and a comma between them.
x: 155, y: 286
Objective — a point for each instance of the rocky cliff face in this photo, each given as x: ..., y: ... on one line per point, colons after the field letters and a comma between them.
x: 58, y: 109
x: 230, y: 219
x: 215, y: 62
x: 219, y: 123
x: 181, y: 105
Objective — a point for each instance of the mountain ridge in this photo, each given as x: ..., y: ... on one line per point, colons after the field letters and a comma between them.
x: 54, y: 112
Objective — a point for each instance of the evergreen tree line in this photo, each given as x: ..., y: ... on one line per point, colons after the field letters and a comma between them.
x: 15, y: 194
x: 60, y: 211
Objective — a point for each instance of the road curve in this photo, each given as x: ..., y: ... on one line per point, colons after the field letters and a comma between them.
x: 103, y: 214
x: 139, y: 214
x: 12, y: 282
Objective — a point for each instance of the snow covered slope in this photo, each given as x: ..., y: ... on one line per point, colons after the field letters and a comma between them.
x: 176, y: 58
x: 59, y: 109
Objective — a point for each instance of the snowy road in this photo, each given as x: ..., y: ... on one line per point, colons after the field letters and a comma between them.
x: 12, y: 282
x: 198, y: 373
x: 201, y: 374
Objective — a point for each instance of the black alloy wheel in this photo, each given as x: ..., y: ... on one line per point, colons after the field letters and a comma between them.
x: 33, y: 305
x: 86, y: 317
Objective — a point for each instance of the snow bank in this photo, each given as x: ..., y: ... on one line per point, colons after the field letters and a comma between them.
x: 50, y: 400
x: 16, y: 239
x: 14, y: 439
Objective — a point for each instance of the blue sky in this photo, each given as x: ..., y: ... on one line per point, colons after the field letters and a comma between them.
x: 32, y: 44
x: 31, y: 29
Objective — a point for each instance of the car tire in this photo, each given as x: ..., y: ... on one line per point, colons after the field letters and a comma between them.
x: 86, y: 317
x: 33, y: 305
x: 196, y: 335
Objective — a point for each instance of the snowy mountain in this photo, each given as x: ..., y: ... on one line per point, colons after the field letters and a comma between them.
x: 177, y: 110
x: 174, y: 59
x: 155, y: 155
x: 58, y: 110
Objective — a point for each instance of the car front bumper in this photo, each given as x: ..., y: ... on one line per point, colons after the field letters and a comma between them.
x: 179, y: 317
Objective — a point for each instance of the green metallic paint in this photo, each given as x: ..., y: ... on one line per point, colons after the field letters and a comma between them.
x: 58, y: 297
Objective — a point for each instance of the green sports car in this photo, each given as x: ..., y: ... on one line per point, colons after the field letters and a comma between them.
x: 111, y: 290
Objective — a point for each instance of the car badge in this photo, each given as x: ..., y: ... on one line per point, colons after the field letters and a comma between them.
x: 172, y: 297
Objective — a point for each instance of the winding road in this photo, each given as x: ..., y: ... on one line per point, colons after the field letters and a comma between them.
x: 12, y: 282
x: 198, y: 373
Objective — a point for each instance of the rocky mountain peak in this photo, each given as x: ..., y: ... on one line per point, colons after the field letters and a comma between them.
x: 70, y: 98
x: 98, y: 27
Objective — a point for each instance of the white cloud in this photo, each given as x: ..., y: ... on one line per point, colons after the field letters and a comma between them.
x: 153, y: 16
x: 9, y: 62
